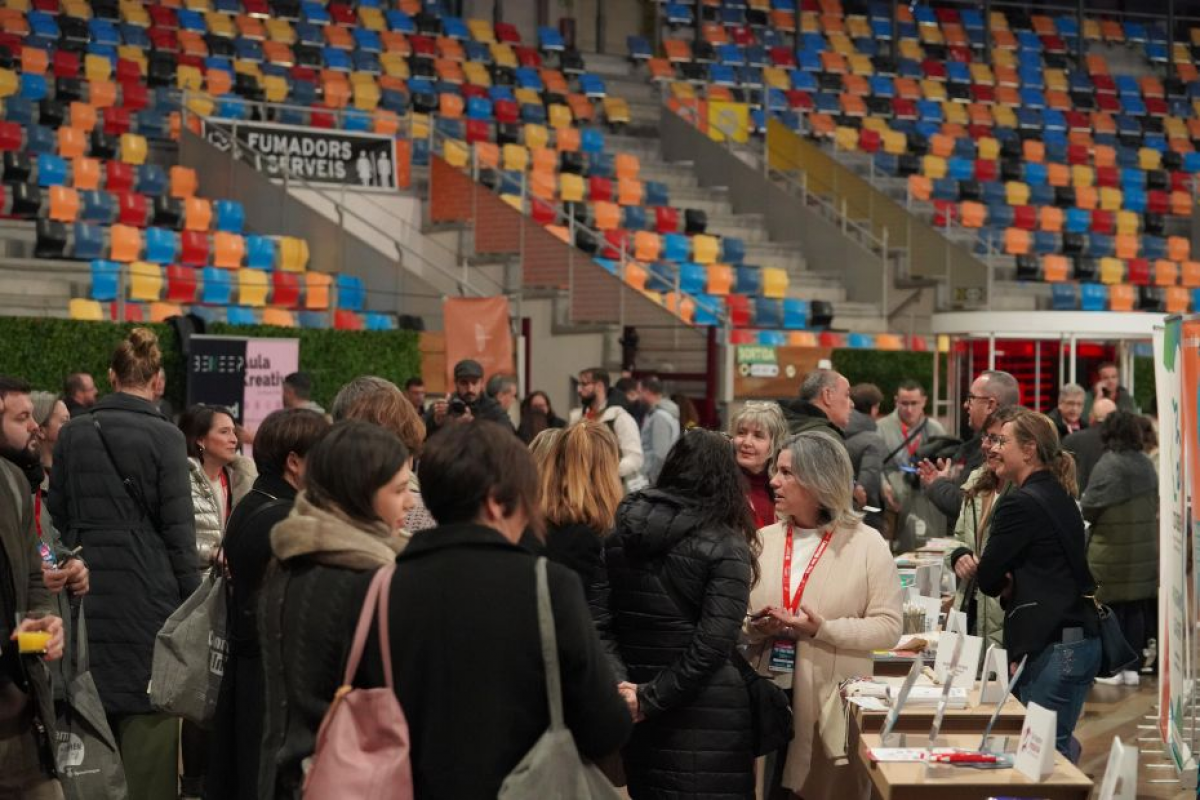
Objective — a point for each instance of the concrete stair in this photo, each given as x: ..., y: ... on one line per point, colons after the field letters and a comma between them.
x: 641, y: 139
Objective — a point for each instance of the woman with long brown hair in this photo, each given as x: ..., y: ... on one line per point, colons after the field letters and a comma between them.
x: 1036, y: 560
x: 579, y: 491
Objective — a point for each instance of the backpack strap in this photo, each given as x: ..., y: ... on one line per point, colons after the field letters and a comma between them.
x: 131, y: 487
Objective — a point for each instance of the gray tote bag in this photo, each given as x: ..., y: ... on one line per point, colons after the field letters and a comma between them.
x: 553, y: 769
x: 89, y: 763
x: 190, y: 653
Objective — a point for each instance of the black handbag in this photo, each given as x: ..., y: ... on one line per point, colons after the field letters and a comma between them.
x: 1116, y: 655
x: 770, y: 709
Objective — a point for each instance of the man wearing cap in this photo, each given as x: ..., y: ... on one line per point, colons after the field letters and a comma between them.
x: 469, y: 402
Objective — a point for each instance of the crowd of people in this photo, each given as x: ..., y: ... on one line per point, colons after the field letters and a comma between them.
x: 673, y: 553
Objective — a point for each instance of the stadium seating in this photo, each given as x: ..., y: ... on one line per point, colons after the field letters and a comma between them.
x: 1045, y: 158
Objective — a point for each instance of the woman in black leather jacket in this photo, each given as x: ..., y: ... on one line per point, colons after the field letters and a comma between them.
x: 1036, y: 562
x: 678, y: 569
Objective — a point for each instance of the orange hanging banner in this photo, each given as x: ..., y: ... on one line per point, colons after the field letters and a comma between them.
x: 478, y: 328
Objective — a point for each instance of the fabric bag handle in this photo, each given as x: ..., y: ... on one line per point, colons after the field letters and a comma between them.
x: 376, y: 599
x: 549, y: 646
x: 131, y: 488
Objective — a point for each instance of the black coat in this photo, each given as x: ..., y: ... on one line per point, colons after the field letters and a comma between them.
x: 676, y: 596
x: 141, y: 569
x: 468, y: 665
x: 1047, y: 595
x: 1056, y: 417
x: 574, y: 546
x: 307, y: 614
x: 237, y: 729
x: 1087, y: 447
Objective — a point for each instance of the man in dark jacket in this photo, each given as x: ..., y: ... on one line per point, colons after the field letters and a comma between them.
x: 824, y: 402
x: 942, y: 482
x: 1068, y: 416
x: 1086, y: 445
x: 26, y: 704
x: 469, y: 401
x: 79, y: 393
x: 867, y: 449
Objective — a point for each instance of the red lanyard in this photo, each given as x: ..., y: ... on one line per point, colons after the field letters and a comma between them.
x: 794, y: 606
x: 914, y: 443
x: 228, y: 494
x: 37, y: 512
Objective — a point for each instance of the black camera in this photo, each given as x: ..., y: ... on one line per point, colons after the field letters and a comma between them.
x: 457, y: 407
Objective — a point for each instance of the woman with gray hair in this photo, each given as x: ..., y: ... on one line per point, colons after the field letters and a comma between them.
x: 758, y: 431
x: 828, y: 596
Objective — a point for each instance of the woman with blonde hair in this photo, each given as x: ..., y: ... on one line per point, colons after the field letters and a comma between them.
x: 542, y: 444
x: 758, y: 431
x: 1036, y: 560
x: 579, y: 490
x: 370, y: 398
x: 829, y: 595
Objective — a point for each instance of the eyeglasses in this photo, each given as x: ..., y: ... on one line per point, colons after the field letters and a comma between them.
x: 991, y: 441
x: 971, y: 398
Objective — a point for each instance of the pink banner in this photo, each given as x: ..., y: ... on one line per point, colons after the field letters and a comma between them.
x: 268, y: 362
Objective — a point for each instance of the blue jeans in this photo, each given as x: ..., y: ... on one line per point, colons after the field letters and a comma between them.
x: 1058, y: 678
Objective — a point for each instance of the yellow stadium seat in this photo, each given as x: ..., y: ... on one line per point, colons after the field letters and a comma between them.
x: 933, y: 167
x: 96, y: 68
x: 559, y: 115
x: 705, y: 249
x: 988, y: 148
x: 366, y: 95
x: 571, y: 188
x: 87, y: 310
x: 293, y: 254
x: 455, y: 153
x: 145, y: 282
x: 1112, y: 270
x: 536, y: 136
x: 252, y: 287
x: 774, y: 282
x: 1128, y: 222
x: 1149, y: 158
x: 1082, y: 176
x: 845, y: 138
x: 1110, y: 199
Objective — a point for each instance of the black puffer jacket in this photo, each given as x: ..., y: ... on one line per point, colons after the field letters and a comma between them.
x: 141, y: 569
x: 671, y: 611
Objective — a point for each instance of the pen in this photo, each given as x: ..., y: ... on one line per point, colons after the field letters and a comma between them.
x: 962, y: 758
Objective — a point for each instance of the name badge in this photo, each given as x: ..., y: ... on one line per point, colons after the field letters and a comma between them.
x: 783, y: 656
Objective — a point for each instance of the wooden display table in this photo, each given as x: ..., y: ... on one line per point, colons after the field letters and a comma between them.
x: 921, y: 782
x: 958, y: 720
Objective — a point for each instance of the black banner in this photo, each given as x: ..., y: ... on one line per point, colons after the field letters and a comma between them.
x: 216, y: 373
x: 341, y: 158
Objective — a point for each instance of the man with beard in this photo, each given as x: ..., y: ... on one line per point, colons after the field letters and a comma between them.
x: 593, y: 391
x: 79, y: 393
x: 468, y: 401
x: 26, y: 703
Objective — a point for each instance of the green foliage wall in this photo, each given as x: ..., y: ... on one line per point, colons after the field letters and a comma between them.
x: 886, y: 369
x: 44, y: 351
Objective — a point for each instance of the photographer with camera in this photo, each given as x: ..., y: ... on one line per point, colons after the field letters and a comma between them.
x: 467, y: 403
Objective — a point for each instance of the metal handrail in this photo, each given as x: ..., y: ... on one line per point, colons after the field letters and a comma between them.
x: 573, y: 226
x: 465, y: 286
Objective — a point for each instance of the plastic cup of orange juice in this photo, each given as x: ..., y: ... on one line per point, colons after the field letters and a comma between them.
x: 33, y: 641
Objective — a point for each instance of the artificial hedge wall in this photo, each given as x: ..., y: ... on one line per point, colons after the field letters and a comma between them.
x: 887, y: 369
x: 44, y: 351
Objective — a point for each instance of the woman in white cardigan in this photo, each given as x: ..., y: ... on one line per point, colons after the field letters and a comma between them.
x: 843, y: 600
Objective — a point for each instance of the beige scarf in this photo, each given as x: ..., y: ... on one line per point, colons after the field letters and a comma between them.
x: 333, y: 539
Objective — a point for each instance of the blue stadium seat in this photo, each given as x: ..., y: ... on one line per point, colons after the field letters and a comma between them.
x: 795, y: 314
x: 161, y: 245
x: 260, y: 252
x: 733, y: 250
x: 375, y: 321
x: 89, y: 241
x: 51, y: 170
x: 151, y: 180
x: 106, y: 280
x: 1093, y: 297
x: 1064, y: 296
x: 241, y: 315
x: 748, y: 280
x: 229, y: 215
x: 676, y: 247
x: 351, y: 293
x: 217, y: 289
